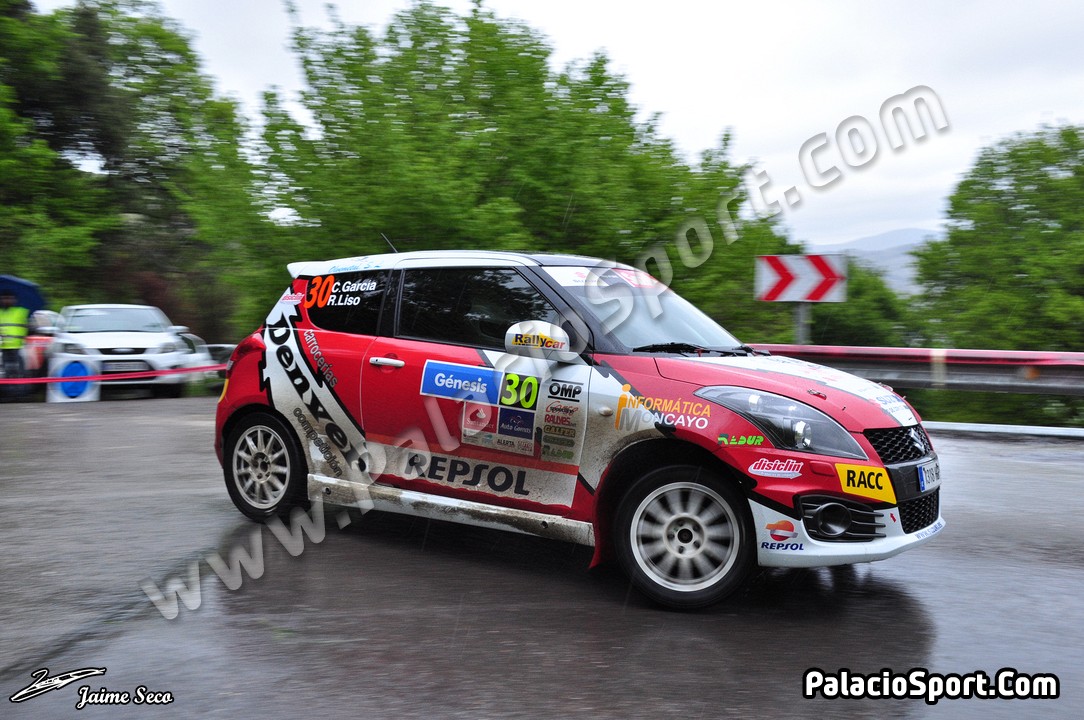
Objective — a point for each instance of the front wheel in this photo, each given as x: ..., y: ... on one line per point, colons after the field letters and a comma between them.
x: 684, y: 536
x: 265, y: 475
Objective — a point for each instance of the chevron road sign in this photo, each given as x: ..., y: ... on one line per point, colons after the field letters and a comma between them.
x: 801, y: 278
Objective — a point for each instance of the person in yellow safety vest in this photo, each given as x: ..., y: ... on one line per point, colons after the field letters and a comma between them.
x: 14, y: 321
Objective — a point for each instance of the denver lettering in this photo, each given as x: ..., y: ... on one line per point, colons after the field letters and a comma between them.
x: 280, y: 333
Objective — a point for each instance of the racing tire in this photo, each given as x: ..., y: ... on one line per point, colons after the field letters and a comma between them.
x: 684, y: 537
x: 263, y: 466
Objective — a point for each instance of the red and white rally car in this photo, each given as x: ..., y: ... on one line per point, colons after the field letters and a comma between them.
x: 571, y: 398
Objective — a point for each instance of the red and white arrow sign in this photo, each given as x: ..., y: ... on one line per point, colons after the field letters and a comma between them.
x: 801, y: 278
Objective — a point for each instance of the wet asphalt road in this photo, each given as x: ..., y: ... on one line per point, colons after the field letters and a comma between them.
x: 391, y: 617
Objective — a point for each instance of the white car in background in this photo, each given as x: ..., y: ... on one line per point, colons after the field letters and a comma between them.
x: 123, y: 339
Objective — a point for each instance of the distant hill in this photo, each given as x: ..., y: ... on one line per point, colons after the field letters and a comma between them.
x: 889, y: 253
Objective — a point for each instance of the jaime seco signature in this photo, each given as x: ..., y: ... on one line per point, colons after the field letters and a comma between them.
x: 43, y: 683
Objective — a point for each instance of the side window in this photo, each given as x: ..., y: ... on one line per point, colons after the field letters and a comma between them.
x: 347, y: 302
x: 468, y: 306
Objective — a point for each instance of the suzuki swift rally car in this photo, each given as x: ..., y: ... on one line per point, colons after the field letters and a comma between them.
x: 569, y: 398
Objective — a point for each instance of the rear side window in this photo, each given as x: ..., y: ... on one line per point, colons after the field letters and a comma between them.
x: 468, y: 306
x: 347, y: 302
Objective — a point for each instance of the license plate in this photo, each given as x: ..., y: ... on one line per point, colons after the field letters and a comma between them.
x: 122, y: 366
x: 929, y: 476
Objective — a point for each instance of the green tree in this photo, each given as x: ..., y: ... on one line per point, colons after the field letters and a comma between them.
x: 171, y: 196
x: 453, y: 132
x: 1010, y: 273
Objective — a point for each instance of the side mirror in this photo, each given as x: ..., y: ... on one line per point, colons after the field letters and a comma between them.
x: 538, y: 339
x: 177, y: 329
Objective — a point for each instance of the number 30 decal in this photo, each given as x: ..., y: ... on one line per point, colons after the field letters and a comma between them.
x: 520, y: 391
x: 320, y: 288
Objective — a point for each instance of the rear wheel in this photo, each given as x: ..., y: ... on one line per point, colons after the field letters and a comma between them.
x: 265, y: 475
x: 684, y: 536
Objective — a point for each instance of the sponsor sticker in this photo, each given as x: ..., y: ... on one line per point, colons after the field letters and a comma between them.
x: 517, y: 423
x: 461, y: 382
x: 776, y: 468
x: 635, y: 412
x: 292, y: 298
x: 537, y: 340
x: 782, y: 532
x: 725, y: 439
x: 565, y: 390
x: 866, y: 481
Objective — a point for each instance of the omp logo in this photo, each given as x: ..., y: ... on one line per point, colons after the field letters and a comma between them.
x: 782, y: 530
x: 869, y: 482
x: 566, y: 390
x: 537, y: 340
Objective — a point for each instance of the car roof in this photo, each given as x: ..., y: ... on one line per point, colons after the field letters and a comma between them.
x: 106, y: 306
x: 441, y: 258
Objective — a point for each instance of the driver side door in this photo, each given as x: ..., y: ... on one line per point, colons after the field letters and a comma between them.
x: 447, y: 411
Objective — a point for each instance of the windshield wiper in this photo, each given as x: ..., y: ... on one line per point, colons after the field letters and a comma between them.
x: 686, y: 347
x: 671, y: 347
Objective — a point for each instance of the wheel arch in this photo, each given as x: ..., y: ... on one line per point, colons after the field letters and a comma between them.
x: 632, y: 463
x: 243, y: 412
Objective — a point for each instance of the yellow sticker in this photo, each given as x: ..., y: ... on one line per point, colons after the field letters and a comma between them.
x: 869, y: 482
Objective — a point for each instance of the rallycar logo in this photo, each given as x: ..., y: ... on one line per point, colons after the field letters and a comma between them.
x: 537, y: 340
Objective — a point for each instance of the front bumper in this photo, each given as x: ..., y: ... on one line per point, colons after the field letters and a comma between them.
x: 783, y: 541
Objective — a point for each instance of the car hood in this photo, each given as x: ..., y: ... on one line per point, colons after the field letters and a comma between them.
x: 134, y: 340
x: 854, y: 402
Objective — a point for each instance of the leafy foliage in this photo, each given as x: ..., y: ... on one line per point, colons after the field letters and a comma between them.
x: 1010, y: 273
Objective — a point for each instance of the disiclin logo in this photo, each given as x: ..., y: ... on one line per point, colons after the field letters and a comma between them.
x: 776, y: 468
x: 781, y: 531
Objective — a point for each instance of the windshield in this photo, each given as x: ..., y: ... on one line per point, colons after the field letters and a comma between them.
x: 639, y: 311
x: 135, y: 319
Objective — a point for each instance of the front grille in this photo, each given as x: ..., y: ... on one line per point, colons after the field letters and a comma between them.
x: 900, y: 444
x: 126, y: 351
x: 920, y: 512
x: 864, y: 521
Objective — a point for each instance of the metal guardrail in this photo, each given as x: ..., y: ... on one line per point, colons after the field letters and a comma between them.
x: 1016, y: 371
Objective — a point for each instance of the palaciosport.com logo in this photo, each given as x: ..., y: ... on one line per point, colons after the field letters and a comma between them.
x: 1007, y: 684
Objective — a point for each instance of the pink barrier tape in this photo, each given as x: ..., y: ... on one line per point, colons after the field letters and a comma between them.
x: 110, y: 376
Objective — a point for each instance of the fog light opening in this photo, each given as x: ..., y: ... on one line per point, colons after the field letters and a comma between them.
x: 832, y: 519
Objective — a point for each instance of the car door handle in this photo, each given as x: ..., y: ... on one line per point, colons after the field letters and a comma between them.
x: 386, y: 362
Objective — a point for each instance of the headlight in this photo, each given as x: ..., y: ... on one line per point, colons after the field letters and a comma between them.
x: 789, y: 424
x: 167, y: 348
x: 70, y: 348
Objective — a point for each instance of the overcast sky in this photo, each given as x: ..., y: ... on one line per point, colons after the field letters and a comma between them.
x: 776, y: 74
